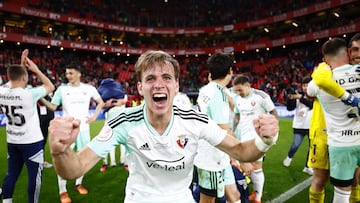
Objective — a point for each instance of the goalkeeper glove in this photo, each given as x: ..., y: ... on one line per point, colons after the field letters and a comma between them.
x: 351, y: 100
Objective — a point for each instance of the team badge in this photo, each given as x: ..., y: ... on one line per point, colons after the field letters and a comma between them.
x: 182, y: 141
x: 105, y: 134
x: 253, y: 103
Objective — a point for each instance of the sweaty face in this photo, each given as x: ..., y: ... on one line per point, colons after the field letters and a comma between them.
x: 354, y: 52
x: 158, y: 86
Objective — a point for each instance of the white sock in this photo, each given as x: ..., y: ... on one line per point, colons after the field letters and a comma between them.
x: 79, y: 180
x: 112, y: 157
x: 341, y: 196
x: 105, y: 161
x: 9, y: 200
x: 122, y: 154
x: 62, y: 184
x: 258, y: 179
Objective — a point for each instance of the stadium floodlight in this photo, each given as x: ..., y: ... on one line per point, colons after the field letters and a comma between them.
x: 294, y: 24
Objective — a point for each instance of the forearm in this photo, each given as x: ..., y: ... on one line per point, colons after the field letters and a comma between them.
x: 99, y: 107
x: 71, y: 165
x: 48, y: 104
x: 236, y: 121
x: 323, y: 79
x: 35, y: 69
x: 243, y: 152
x: 307, y: 102
x: 67, y: 164
x: 46, y: 82
x: 247, y: 152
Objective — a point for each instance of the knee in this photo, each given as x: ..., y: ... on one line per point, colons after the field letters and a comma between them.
x: 232, y: 194
x: 319, y: 183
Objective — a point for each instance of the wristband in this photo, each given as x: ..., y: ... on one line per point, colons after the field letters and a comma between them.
x: 345, y: 96
x: 261, y: 145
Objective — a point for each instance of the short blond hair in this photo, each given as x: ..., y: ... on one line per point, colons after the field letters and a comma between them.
x: 149, y: 58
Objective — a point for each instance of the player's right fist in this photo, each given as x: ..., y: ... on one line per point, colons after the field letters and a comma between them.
x: 62, y: 133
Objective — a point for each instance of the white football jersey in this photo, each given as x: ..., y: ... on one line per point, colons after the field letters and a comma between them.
x: 76, y: 101
x: 302, y: 116
x: 249, y: 108
x: 214, y: 102
x: 182, y: 100
x: 160, y: 166
x: 341, y: 129
x: 19, y: 106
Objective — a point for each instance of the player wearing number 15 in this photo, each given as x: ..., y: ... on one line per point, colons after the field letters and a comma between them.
x: 24, y: 138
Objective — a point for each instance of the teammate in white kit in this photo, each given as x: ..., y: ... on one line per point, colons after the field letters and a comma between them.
x: 343, y: 126
x: 215, y: 174
x: 161, y: 139
x: 25, y: 141
x: 248, y: 105
x: 182, y: 100
x: 75, y: 99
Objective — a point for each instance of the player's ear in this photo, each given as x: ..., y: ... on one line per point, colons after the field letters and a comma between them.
x: 25, y: 77
x: 139, y: 88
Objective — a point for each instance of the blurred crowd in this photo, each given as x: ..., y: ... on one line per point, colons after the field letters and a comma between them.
x: 171, y: 13
x: 149, y: 14
x: 286, y: 72
x: 272, y: 71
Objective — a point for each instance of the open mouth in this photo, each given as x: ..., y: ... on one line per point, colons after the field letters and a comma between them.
x: 159, y: 97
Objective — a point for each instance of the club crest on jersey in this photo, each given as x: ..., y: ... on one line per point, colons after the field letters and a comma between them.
x: 105, y: 134
x: 253, y: 103
x: 182, y: 141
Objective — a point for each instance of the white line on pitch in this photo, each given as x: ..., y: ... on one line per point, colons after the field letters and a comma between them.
x: 293, y: 191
